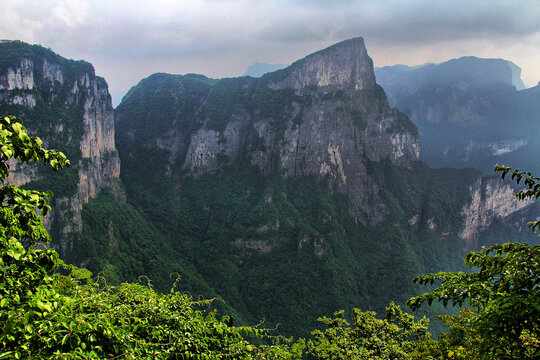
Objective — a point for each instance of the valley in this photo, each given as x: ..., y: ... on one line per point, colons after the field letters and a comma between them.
x: 289, y: 196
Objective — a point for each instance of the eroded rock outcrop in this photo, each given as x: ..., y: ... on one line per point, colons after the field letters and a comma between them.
x: 491, y: 199
x: 324, y: 115
x: 69, y: 107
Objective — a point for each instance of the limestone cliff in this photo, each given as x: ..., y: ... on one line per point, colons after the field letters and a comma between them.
x: 69, y: 107
x: 491, y: 199
x: 324, y: 115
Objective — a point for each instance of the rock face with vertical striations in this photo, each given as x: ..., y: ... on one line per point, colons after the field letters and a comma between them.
x: 491, y: 200
x: 69, y: 107
x: 345, y: 65
x: 323, y: 115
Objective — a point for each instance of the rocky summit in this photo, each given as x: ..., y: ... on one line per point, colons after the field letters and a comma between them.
x: 324, y: 115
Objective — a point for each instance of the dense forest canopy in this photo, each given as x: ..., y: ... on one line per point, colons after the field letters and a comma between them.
x: 45, y: 314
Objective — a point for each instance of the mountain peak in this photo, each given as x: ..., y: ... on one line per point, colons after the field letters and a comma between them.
x: 259, y: 69
x: 345, y: 65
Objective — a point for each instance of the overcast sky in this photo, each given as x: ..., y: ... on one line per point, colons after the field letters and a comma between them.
x: 127, y: 40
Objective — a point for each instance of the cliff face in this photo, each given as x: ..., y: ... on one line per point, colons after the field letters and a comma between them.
x: 345, y: 65
x: 324, y: 115
x: 70, y: 108
x: 491, y: 200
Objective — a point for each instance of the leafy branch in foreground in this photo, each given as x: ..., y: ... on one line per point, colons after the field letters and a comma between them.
x: 503, y: 296
x: 398, y: 336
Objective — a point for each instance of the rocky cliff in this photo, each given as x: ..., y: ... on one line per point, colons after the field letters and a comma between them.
x: 69, y: 107
x: 324, y: 115
x: 492, y: 200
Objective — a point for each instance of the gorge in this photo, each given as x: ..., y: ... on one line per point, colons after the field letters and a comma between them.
x: 290, y: 196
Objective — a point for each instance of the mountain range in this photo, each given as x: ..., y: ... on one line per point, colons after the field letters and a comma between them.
x: 470, y: 112
x: 289, y: 196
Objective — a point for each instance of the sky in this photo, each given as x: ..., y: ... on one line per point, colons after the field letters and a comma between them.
x: 127, y: 40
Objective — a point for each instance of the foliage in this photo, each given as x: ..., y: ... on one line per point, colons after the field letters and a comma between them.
x: 129, y: 321
x: 504, y: 295
x: 24, y: 266
x: 395, y: 337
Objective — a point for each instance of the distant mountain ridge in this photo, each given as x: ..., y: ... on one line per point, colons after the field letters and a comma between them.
x: 259, y: 69
x: 469, y: 70
x: 469, y: 111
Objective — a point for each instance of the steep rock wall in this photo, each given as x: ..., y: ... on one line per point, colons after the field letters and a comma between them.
x: 324, y: 115
x: 491, y: 199
x: 69, y: 107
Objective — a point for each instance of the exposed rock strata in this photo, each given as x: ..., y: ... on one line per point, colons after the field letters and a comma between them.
x: 490, y: 199
x: 336, y: 120
x: 38, y: 78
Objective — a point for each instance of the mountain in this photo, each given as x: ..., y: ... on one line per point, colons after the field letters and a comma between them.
x: 259, y: 69
x: 289, y: 196
x: 469, y: 112
x: 300, y: 192
x: 66, y: 104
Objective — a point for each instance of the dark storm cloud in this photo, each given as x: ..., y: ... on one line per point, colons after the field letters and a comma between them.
x: 398, y: 21
x: 129, y: 40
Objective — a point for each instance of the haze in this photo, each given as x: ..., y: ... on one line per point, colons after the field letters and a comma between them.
x: 129, y: 40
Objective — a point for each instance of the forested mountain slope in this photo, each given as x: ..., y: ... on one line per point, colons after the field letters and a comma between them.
x: 290, y: 196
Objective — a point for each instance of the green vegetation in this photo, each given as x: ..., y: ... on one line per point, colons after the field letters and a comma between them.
x: 162, y: 98
x: 225, y: 102
x: 66, y: 314
x: 216, y: 232
x: 503, y: 321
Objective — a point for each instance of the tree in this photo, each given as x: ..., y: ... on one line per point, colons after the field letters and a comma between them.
x: 396, y: 337
x: 25, y: 267
x: 503, y: 321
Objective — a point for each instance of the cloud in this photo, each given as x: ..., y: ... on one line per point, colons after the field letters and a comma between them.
x: 127, y: 39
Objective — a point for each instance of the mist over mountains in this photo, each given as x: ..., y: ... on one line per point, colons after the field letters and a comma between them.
x: 291, y: 195
x: 469, y: 112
